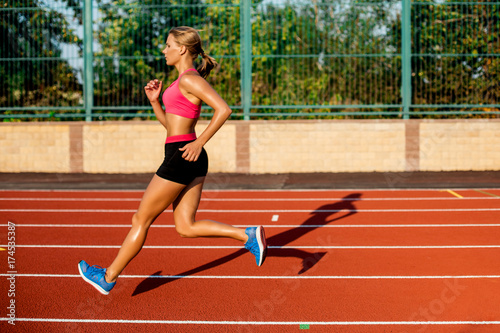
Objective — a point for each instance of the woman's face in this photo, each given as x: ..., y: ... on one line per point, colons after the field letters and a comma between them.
x: 172, y: 51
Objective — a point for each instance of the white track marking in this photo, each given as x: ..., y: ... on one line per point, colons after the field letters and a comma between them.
x: 276, y: 277
x: 312, y: 247
x: 313, y: 226
x: 259, y: 210
x: 275, y: 218
x: 249, y: 190
x: 71, y: 199
x: 266, y: 323
x: 256, y: 199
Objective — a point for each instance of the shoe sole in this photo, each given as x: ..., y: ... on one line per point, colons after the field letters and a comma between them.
x: 261, y: 240
x: 92, y: 283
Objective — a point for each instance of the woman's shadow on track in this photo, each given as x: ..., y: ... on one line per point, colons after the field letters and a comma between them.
x: 320, y: 217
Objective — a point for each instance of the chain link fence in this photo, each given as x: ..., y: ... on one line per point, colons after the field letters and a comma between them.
x: 89, y: 60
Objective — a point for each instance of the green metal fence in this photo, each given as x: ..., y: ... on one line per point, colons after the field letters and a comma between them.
x: 74, y: 60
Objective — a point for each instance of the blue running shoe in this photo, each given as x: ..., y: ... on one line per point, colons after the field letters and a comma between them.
x: 256, y: 243
x: 95, y: 276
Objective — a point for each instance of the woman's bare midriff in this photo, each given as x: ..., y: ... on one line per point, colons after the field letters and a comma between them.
x: 177, y: 125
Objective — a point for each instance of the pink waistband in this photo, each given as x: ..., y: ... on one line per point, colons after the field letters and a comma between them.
x: 182, y: 137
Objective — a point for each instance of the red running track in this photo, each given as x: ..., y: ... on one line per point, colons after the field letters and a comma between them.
x: 339, y: 261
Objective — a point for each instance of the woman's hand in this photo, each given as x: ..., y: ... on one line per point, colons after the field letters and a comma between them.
x: 191, y: 151
x: 153, y: 90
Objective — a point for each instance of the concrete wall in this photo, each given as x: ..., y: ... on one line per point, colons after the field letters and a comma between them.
x: 258, y: 146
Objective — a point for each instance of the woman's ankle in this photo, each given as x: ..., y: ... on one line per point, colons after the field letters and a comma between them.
x: 109, y: 278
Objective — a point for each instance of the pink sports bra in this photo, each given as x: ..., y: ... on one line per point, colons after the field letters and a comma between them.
x: 175, y: 102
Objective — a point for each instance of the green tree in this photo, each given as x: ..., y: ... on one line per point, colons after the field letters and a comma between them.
x: 325, y: 53
x: 131, y: 37
x: 458, y: 47
x: 30, y: 56
x: 305, y: 52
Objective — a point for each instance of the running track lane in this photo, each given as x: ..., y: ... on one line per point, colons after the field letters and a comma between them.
x: 349, y: 292
x: 278, y: 300
x: 278, y: 236
x: 280, y: 262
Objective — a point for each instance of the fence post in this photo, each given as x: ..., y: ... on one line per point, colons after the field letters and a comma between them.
x: 246, y: 57
x: 406, y: 57
x: 88, y: 53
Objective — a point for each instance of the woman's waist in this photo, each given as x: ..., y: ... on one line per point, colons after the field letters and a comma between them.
x: 181, y: 137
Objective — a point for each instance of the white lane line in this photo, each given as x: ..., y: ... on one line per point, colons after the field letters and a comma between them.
x: 68, y: 210
x: 266, y: 323
x: 221, y: 190
x: 313, y: 226
x: 314, y: 247
x: 276, y: 277
x: 255, y: 199
x: 260, y: 210
x: 70, y: 199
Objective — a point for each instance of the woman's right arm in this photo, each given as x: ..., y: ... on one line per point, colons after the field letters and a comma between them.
x: 153, y: 90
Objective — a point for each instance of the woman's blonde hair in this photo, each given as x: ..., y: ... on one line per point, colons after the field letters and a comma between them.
x: 189, y: 37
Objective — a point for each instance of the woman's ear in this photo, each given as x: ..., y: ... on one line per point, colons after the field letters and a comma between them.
x: 182, y: 49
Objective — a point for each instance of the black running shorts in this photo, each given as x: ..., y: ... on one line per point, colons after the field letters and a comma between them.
x: 177, y: 169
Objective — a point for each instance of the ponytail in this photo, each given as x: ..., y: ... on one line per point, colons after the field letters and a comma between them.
x: 207, y: 64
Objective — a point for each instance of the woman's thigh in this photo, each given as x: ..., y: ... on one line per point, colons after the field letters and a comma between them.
x: 159, y: 194
x: 186, y: 204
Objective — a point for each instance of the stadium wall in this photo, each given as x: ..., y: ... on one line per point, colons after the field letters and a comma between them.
x: 258, y: 146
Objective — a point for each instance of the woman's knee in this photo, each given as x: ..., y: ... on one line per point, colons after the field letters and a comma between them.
x: 185, y: 230
x: 141, y: 221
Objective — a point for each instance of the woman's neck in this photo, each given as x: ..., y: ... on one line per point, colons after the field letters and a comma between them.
x: 184, y: 66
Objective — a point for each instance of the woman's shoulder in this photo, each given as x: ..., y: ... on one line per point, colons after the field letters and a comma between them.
x: 191, y: 79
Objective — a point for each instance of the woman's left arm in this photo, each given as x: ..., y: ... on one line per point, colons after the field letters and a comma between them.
x: 199, y: 87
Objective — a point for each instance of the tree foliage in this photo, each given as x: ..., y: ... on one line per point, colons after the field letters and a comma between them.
x: 31, y: 67
x: 458, y: 47
x: 316, y: 53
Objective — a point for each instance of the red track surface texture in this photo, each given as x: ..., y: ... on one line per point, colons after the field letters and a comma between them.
x: 338, y: 261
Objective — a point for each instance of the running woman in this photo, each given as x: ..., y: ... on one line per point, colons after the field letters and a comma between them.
x: 179, y: 179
